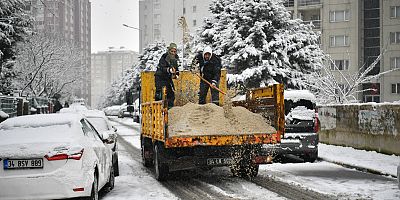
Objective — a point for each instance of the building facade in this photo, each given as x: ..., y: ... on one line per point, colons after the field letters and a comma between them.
x: 158, y: 19
x: 355, y: 33
x: 107, y: 67
x: 72, y: 20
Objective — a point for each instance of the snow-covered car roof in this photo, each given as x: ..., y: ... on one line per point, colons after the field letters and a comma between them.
x: 94, y: 113
x: 296, y: 95
x: 41, y: 120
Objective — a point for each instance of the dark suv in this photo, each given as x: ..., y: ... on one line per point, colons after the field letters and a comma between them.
x: 301, y: 127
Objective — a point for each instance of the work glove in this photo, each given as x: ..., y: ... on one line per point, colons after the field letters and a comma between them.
x: 171, y: 70
x: 214, y: 83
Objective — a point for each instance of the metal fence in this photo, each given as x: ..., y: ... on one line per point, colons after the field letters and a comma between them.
x: 8, y: 105
x: 16, y: 106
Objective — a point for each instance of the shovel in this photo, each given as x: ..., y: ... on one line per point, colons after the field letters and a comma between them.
x: 211, y: 85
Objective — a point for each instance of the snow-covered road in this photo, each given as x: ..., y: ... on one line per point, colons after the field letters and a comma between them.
x: 137, y: 182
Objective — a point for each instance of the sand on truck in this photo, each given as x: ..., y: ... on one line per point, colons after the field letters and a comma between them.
x: 210, y: 119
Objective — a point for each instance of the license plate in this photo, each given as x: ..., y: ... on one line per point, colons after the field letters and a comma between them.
x: 23, y: 163
x: 219, y: 161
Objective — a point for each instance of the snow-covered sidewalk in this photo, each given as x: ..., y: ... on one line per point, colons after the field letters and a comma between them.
x: 348, y: 156
x: 369, y: 160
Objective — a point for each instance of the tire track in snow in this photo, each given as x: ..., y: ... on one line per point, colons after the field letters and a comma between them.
x: 221, y: 185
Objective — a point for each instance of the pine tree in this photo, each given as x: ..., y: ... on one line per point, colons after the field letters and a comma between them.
x: 14, y: 23
x: 259, y: 42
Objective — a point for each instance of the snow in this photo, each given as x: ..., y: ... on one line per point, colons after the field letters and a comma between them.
x: 3, y: 114
x: 301, y: 113
x: 310, y: 175
x: 134, y: 182
x: 35, y: 137
x: 296, y: 95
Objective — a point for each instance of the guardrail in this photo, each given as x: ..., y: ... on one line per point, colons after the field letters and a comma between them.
x: 316, y: 23
x: 308, y: 2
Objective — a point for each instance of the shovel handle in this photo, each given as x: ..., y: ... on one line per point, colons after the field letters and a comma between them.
x: 211, y: 85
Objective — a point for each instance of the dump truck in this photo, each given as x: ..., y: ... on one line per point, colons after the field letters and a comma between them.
x: 168, y: 151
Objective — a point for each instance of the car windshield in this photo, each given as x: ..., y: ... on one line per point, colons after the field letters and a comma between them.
x: 99, y: 123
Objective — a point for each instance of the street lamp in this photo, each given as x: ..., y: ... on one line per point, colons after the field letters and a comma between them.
x: 140, y: 35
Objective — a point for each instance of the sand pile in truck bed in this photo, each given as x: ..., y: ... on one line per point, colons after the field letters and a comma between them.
x: 209, y: 119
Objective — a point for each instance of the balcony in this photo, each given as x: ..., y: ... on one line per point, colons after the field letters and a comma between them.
x: 308, y: 2
x: 316, y: 23
x: 289, y: 3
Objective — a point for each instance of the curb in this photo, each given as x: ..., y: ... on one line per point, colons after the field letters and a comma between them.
x: 363, y: 169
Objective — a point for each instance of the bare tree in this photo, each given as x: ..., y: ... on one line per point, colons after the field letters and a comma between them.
x: 47, y: 64
x: 335, y: 86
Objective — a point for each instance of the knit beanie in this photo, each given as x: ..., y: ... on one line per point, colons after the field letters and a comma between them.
x: 172, y: 46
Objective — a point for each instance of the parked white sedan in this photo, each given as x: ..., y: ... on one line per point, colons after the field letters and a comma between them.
x: 52, y: 156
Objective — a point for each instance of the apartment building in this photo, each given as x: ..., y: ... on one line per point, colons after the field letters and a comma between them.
x: 71, y: 19
x: 158, y: 19
x: 354, y: 34
x: 107, y: 67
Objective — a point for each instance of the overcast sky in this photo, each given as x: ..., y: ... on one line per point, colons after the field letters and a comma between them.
x: 107, y: 19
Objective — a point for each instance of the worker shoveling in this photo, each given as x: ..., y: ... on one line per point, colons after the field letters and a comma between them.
x: 210, y: 119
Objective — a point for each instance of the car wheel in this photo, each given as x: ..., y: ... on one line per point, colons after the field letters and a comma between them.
x: 111, y: 180
x: 116, y: 168
x: 311, y: 157
x: 94, y: 195
x: 160, y: 168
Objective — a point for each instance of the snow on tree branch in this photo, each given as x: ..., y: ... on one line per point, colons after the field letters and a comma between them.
x: 47, y: 64
x: 259, y: 42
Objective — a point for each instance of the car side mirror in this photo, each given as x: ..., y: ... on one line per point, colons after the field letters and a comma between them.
x: 107, y: 138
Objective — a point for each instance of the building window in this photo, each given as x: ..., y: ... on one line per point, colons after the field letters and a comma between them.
x: 157, y: 16
x: 371, y: 92
x: 396, y: 88
x: 394, y: 62
x: 194, y: 22
x: 339, y: 16
x: 340, y: 65
x: 194, y: 9
x: 394, y: 11
x: 157, y: 26
x: 395, y: 37
x: 157, y: 34
x: 372, y: 98
x: 339, y: 41
x: 184, y: 10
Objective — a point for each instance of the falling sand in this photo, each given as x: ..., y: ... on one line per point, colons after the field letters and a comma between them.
x: 210, y: 119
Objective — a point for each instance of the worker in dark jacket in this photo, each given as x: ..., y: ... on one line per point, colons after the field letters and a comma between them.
x: 167, y: 70
x: 210, y: 70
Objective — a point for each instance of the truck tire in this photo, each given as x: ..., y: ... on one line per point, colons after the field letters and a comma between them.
x: 311, y: 157
x: 161, y: 169
x: 146, y: 150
